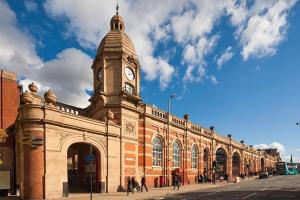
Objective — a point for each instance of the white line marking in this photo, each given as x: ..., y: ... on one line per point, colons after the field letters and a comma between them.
x: 263, y: 189
x: 249, y: 195
x: 206, y: 194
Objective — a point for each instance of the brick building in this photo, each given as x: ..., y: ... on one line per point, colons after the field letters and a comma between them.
x: 9, y: 104
x: 126, y: 136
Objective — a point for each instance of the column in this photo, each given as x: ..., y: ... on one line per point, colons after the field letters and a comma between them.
x: 33, y: 152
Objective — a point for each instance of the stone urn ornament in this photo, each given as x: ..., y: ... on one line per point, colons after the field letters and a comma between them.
x: 33, y: 88
x: 50, y: 98
x: 26, y: 97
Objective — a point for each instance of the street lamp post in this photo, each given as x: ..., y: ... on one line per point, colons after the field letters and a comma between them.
x: 91, y: 174
x: 167, y: 139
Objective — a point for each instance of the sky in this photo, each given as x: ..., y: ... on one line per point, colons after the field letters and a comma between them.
x: 233, y: 64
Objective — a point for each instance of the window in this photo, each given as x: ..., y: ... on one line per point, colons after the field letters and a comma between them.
x: 176, y: 154
x: 129, y: 88
x: 157, y: 152
x: 195, y: 157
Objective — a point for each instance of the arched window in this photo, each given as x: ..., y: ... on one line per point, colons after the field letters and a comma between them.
x: 157, y: 152
x: 195, y: 153
x: 129, y: 88
x: 176, y: 154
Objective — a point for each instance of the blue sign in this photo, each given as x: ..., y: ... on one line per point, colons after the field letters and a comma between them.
x: 89, y: 158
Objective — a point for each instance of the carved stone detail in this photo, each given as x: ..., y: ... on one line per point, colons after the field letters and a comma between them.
x: 130, y: 127
x: 3, y: 136
x: 63, y: 136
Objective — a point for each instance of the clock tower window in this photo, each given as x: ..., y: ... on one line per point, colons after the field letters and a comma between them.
x: 129, y: 88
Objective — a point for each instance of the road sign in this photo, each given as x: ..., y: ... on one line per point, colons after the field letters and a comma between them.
x: 89, y: 158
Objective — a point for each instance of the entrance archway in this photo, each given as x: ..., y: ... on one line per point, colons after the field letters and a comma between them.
x: 206, y: 161
x: 221, y: 161
x: 80, y: 169
x: 236, y: 160
x: 262, y: 164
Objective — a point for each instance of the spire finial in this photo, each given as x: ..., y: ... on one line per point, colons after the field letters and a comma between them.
x: 117, y: 8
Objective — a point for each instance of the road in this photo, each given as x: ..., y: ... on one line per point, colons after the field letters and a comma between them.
x: 276, y: 188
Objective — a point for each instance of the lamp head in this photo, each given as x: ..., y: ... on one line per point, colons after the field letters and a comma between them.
x: 172, y: 95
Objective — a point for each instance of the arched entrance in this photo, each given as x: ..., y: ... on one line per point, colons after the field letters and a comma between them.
x: 236, y: 160
x: 221, y: 161
x: 262, y: 164
x: 206, y: 161
x: 80, y: 169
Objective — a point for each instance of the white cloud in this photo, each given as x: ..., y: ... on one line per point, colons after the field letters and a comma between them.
x: 259, y: 28
x: 143, y: 23
x: 30, y: 5
x: 225, y: 57
x: 265, y: 28
x: 68, y: 75
x: 194, y: 57
x: 17, y: 49
x: 214, y: 80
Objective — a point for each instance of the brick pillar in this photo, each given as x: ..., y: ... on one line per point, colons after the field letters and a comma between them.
x: 242, y: 168
x: 33, y: 164
x: 229, y: 168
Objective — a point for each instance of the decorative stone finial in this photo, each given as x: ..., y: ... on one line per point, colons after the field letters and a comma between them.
x: 26, y: 97
x: 50, y: 97
x: 117, y: 8
x: 109, y: 115
x: 186, y: 117
x: 33, y: 88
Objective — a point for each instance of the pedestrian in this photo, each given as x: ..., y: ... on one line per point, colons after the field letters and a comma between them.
x: 214, y: 178
x: 201, y: 178
x: 180, y: 180
x: 129, y: 186
x: 176, y: 181
x: 143, y: 184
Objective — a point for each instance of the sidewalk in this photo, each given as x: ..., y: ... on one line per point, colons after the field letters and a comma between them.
x: 153, y: 192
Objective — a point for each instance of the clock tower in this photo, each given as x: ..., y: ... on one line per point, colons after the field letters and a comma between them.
x: 116, y: 73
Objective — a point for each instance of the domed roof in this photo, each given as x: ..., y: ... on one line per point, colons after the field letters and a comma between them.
x: 116, y: 39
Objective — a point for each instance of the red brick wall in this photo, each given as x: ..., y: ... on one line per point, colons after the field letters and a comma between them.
x: 9, y: 101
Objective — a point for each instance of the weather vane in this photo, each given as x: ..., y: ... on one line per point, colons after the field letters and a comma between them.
x: 117, y: 8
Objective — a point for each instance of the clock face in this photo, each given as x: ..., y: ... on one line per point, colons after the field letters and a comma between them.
x: 100, y: 74
x: 129, y: 73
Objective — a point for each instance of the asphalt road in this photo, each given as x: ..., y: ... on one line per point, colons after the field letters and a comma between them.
x: 279, y: 188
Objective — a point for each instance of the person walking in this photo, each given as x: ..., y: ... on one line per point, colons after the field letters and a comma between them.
x: 143, y: 184
x: 129, y: 186
x: 176, y: 181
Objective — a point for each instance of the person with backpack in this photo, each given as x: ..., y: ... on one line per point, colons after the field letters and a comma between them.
x: 129, y: 186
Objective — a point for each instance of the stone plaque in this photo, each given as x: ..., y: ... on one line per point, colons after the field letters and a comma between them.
x: 4, y: 180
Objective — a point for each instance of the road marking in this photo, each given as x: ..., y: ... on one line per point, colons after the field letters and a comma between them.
x: 207, y: 194
x: 263, y: 189
x: 249, y: 195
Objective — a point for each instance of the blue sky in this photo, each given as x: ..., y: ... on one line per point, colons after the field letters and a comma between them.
x: 232, y: 64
